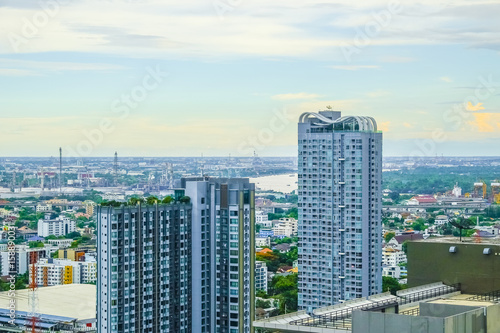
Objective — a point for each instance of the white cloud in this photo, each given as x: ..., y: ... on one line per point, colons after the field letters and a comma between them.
x: 354, y: 67
x: 13, y: 67
x: 446, y: 79
x: 194, y: 28
x: 301, y: 95
x: 16, y: 72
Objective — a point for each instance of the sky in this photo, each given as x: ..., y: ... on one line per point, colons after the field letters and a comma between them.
x: 220, y: 77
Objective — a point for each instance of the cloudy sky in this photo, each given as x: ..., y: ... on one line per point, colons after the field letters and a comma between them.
x: 219, y: 77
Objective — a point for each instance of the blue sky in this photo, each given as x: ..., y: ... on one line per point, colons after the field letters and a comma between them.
x: 223, y: 77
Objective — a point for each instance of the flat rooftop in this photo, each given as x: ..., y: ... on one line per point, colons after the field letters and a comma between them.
x: 338, y: 318
x: 465, y: 240
x: 70, y: 300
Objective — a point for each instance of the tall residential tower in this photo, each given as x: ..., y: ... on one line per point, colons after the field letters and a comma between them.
x: 179, y: 268
x: 144, y: 269
x: 340, y: 228
x: 223, y: 250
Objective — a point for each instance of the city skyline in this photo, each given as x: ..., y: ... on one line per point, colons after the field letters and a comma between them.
x: 235, y: 67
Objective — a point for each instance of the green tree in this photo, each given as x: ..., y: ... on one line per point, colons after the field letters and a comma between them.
x: 262, y: 304
x: 134, y: 201
x: 167, y: 200
x: 388, y: 236
x: 390, y: 284
x: 73, y: 234
x: 285, y: 288
x: 293, y: 213
x: 394, y: 196
x: 404, y: 247
x: 151, y: 200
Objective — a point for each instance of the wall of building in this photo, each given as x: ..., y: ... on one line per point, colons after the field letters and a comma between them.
x: 476, y: 272
x: 377, y: 322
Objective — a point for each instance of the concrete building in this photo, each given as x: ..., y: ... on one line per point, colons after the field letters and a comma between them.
x: 473, y: 263
x: 261, y: 217
x: 266, y: 233
x: 19, y: 263
x: 89, y: 207
x: 113, y: 196
x: 422, y: 200
x: 392, y: 257
x: 286, y: 227
x: 339, y: 203
x: 60, y: 226
x: 60, y: 243
x: 260, y: 276
x: 144, y: 263
x: 392, y: 271
x: 223, y: 266
x: 434, y: 308
x: 63, y: 308
x: 53, y: 272
x: 43, y: 208
x: 190, y: 267
x: 262, y: 242
x: 441, y: 220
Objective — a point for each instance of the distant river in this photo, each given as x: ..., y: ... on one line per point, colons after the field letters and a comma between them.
x: 281, y: 183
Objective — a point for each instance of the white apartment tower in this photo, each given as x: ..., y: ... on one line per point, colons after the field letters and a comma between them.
x: 340, y: 191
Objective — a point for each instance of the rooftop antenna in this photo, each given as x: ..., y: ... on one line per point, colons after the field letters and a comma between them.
x: 60, y: 170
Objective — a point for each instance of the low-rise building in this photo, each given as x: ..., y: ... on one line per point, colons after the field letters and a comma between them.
x: 43, y: 208
x: 58, y: 227
x: 471, y: 262
x: 392, y: 257
x: 286, y: 227
x: 260, y: 276
x: 266, y: 233
x: 441, y: 220
x: 63, y: 308
x: 262, y: 242
x: 422, y: 200
x: 18, y: 261
x: 391, y: 271
x: 53, y: 272
x: 60, y: 243
x: 89, y: 207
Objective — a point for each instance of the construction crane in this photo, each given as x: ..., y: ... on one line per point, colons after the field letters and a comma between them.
x: 33, y: 319
x: 495, y: 186
x: 478, y: 187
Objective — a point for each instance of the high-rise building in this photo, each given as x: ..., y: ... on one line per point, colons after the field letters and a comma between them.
x: 180, y: 267
x: 223, y: 264
x: 144, y: 268
x: 340, y: 191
